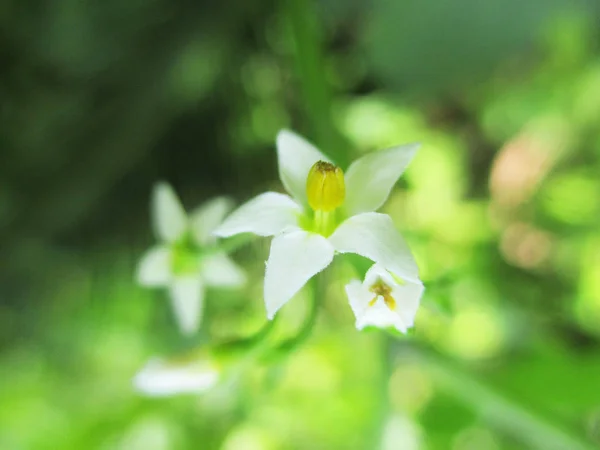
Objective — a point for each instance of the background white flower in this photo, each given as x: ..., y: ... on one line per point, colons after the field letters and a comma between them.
x: 401, y: 433
x: 187, y: 259
x: 162, y: 378
x: 384, y: 301
x: 302, y: 245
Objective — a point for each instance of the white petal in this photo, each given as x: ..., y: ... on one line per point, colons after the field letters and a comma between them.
x: 168, y: 216
x: 220, y: 270
x: 379, y: 315
x: 408, y: 298
x: 159, y: 378
x: 296, y: 157
x: 370, y: 179
x: 187, y: 298
x: 374, y: 236
x: 377, y: 272
x: 358, y: 297
x: 154, y: 269
x: 295, y: 258
x: 208, y: 217
x: 265, y: 215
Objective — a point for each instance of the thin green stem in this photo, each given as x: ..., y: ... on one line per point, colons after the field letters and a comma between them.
x: 306, y: 33
x: 257, y: 344
x: 245, y: 344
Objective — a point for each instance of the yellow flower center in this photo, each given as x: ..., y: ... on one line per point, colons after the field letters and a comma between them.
x: 382, y: 289
x: 325, y: 187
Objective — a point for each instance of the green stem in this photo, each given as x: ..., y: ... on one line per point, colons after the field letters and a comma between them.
x: 501, y: 411
x: 309, y: 62
x: 257, y: 344
x: 245, y: 344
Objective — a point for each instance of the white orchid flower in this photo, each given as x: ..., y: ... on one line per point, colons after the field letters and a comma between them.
x: 383, y: 300
x: 327, y: 212
x: 187, y: 259
x: 164, y: 378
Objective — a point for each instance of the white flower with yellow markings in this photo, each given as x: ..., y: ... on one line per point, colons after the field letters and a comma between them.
x: 328, y: 212
x: 187, y: 259
x: 383, y: 300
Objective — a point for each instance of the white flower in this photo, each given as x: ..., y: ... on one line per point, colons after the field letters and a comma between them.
x: 401, y: 433
x: 326, y: 213
x: 187, y: 259
x: 384, y: 301
x: 162, y: 378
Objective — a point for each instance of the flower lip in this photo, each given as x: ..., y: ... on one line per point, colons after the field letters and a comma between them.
x: 381, y: 289
x: 382, y: 300
x: 325, y: 187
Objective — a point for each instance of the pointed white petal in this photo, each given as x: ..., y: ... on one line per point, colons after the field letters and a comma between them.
x: 268, y: 214
x: 168, y: 216
x: 187, y: 298
x: 295, y: 257
x: 370, y: 179
x: 374, y: 236
x: 154, y: 269
x: 206, y: 218
x: 160, y: 378
x: 220, y: 270
x: 296, y: 157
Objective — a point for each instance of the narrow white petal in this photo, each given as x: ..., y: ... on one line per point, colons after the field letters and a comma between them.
x: 168, y: 216
x: 370, y: 179
x: 374, y: 236
x: 220, y: 270
x: 296, y: 156
x: 206, y: 218
x: 187, y: 298
x: 154, y: 269
x: 265, y: 215
x: 408, y: 298
x: 160, y: 378
x: 294, y: 259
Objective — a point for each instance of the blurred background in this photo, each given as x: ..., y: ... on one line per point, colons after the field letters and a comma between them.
x: 501, y: 206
